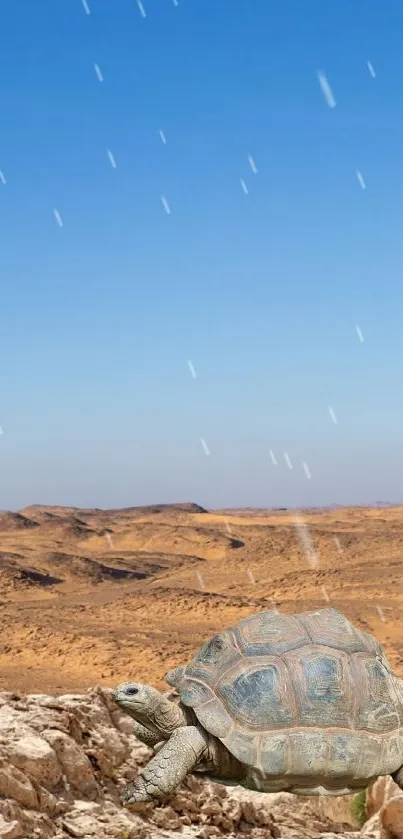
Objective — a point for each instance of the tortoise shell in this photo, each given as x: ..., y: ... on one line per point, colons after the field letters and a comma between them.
x: 305, y: 694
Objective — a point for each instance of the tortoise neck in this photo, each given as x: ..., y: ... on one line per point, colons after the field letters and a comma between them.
x: 166, y: 717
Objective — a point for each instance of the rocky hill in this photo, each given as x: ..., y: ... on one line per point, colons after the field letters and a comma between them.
x: 64, y: 758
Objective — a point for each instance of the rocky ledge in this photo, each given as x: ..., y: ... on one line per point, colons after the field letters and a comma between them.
x: 64, y: 759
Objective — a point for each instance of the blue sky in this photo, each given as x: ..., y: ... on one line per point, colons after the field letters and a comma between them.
x: 260, y: 291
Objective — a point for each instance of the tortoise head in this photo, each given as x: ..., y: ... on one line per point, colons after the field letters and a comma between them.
x: 136, y: 699
x: 150, y: 707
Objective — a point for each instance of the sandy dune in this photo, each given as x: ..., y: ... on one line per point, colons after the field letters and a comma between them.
x: 97, y: 596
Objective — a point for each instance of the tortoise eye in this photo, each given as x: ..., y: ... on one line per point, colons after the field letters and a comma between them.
x: 131, y: 691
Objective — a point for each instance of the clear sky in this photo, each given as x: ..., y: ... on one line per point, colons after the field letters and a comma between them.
x: 261, y: 291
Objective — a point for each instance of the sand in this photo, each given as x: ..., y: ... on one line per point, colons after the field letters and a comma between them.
x: 97, y: 597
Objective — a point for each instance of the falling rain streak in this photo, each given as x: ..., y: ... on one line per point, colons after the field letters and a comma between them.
x: 98, y: 72
x: 111, y: 158
x: 244, y: 187
x: 371, y: 69
x: 287, y: 460
x: 332, y: 414
x: 200, y: 580
x: 360, y: 179
x: 306, y: 540
x: 165, y: 205
x: 326, y: 90
x: 381, y: 614
x: 205, y: 446
x: 250, y: 575
x: 252, y: 164
x: 325, y: 594
x: 141, y: 8
x: 58, y: 217
x: 2, y: 178
x: 272, y: 457
x: 307, y: 470
x: 162, y: 135
x: 86, y: 7
x: 192, y: 370
x: 359, y: 333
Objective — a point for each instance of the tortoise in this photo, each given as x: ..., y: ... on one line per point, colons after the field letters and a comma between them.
x: 305, y: 703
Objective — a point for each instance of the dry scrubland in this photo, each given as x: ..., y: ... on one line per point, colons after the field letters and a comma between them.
x: 92, y: 597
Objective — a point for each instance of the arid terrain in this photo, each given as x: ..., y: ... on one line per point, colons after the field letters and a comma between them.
x: 64, y: 759
x: 94, y: 597
x: 90, y: 598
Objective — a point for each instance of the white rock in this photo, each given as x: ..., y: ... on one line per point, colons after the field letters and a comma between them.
x: 35, y: 757
x: 10, y: 830
x: 391, y: 816
x: 82, y: 826
x: 372, y: 828
x: 14, y: 784
x: 87, y: 806
x: 76, y: 766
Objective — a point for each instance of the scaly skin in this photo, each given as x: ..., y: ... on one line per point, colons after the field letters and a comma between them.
x: 149, y: 738
x: 180, y: 744
x: 166, y: 771
x: 150, y: 708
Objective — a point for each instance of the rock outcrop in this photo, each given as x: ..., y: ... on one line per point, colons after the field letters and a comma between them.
x: 384, y: 804
x: 63, y: 760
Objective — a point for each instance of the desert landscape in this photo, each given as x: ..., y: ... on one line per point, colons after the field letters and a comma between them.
x: 90, y: 598
x: 100, y: 596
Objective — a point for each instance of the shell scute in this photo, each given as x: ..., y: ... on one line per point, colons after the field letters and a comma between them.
x: 331, y: 629
x: 377, y: 710
x: 195, y: 693
x: 270, y: 633
x: 215, y: 718
x: 256, y: 695
x: 175, y: 676
x: 308, y: 753
x: 370, y: 750
x: 212, y: 652
x: 217, y: 655
x: 343, y: 755
x: 323, y: 688
x: 393, y: 750
x: 274, y: 753
x: 244, y: 745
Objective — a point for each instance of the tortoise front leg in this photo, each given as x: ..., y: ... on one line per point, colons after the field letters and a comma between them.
x: 166, y: 771
x: 149, y: 738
